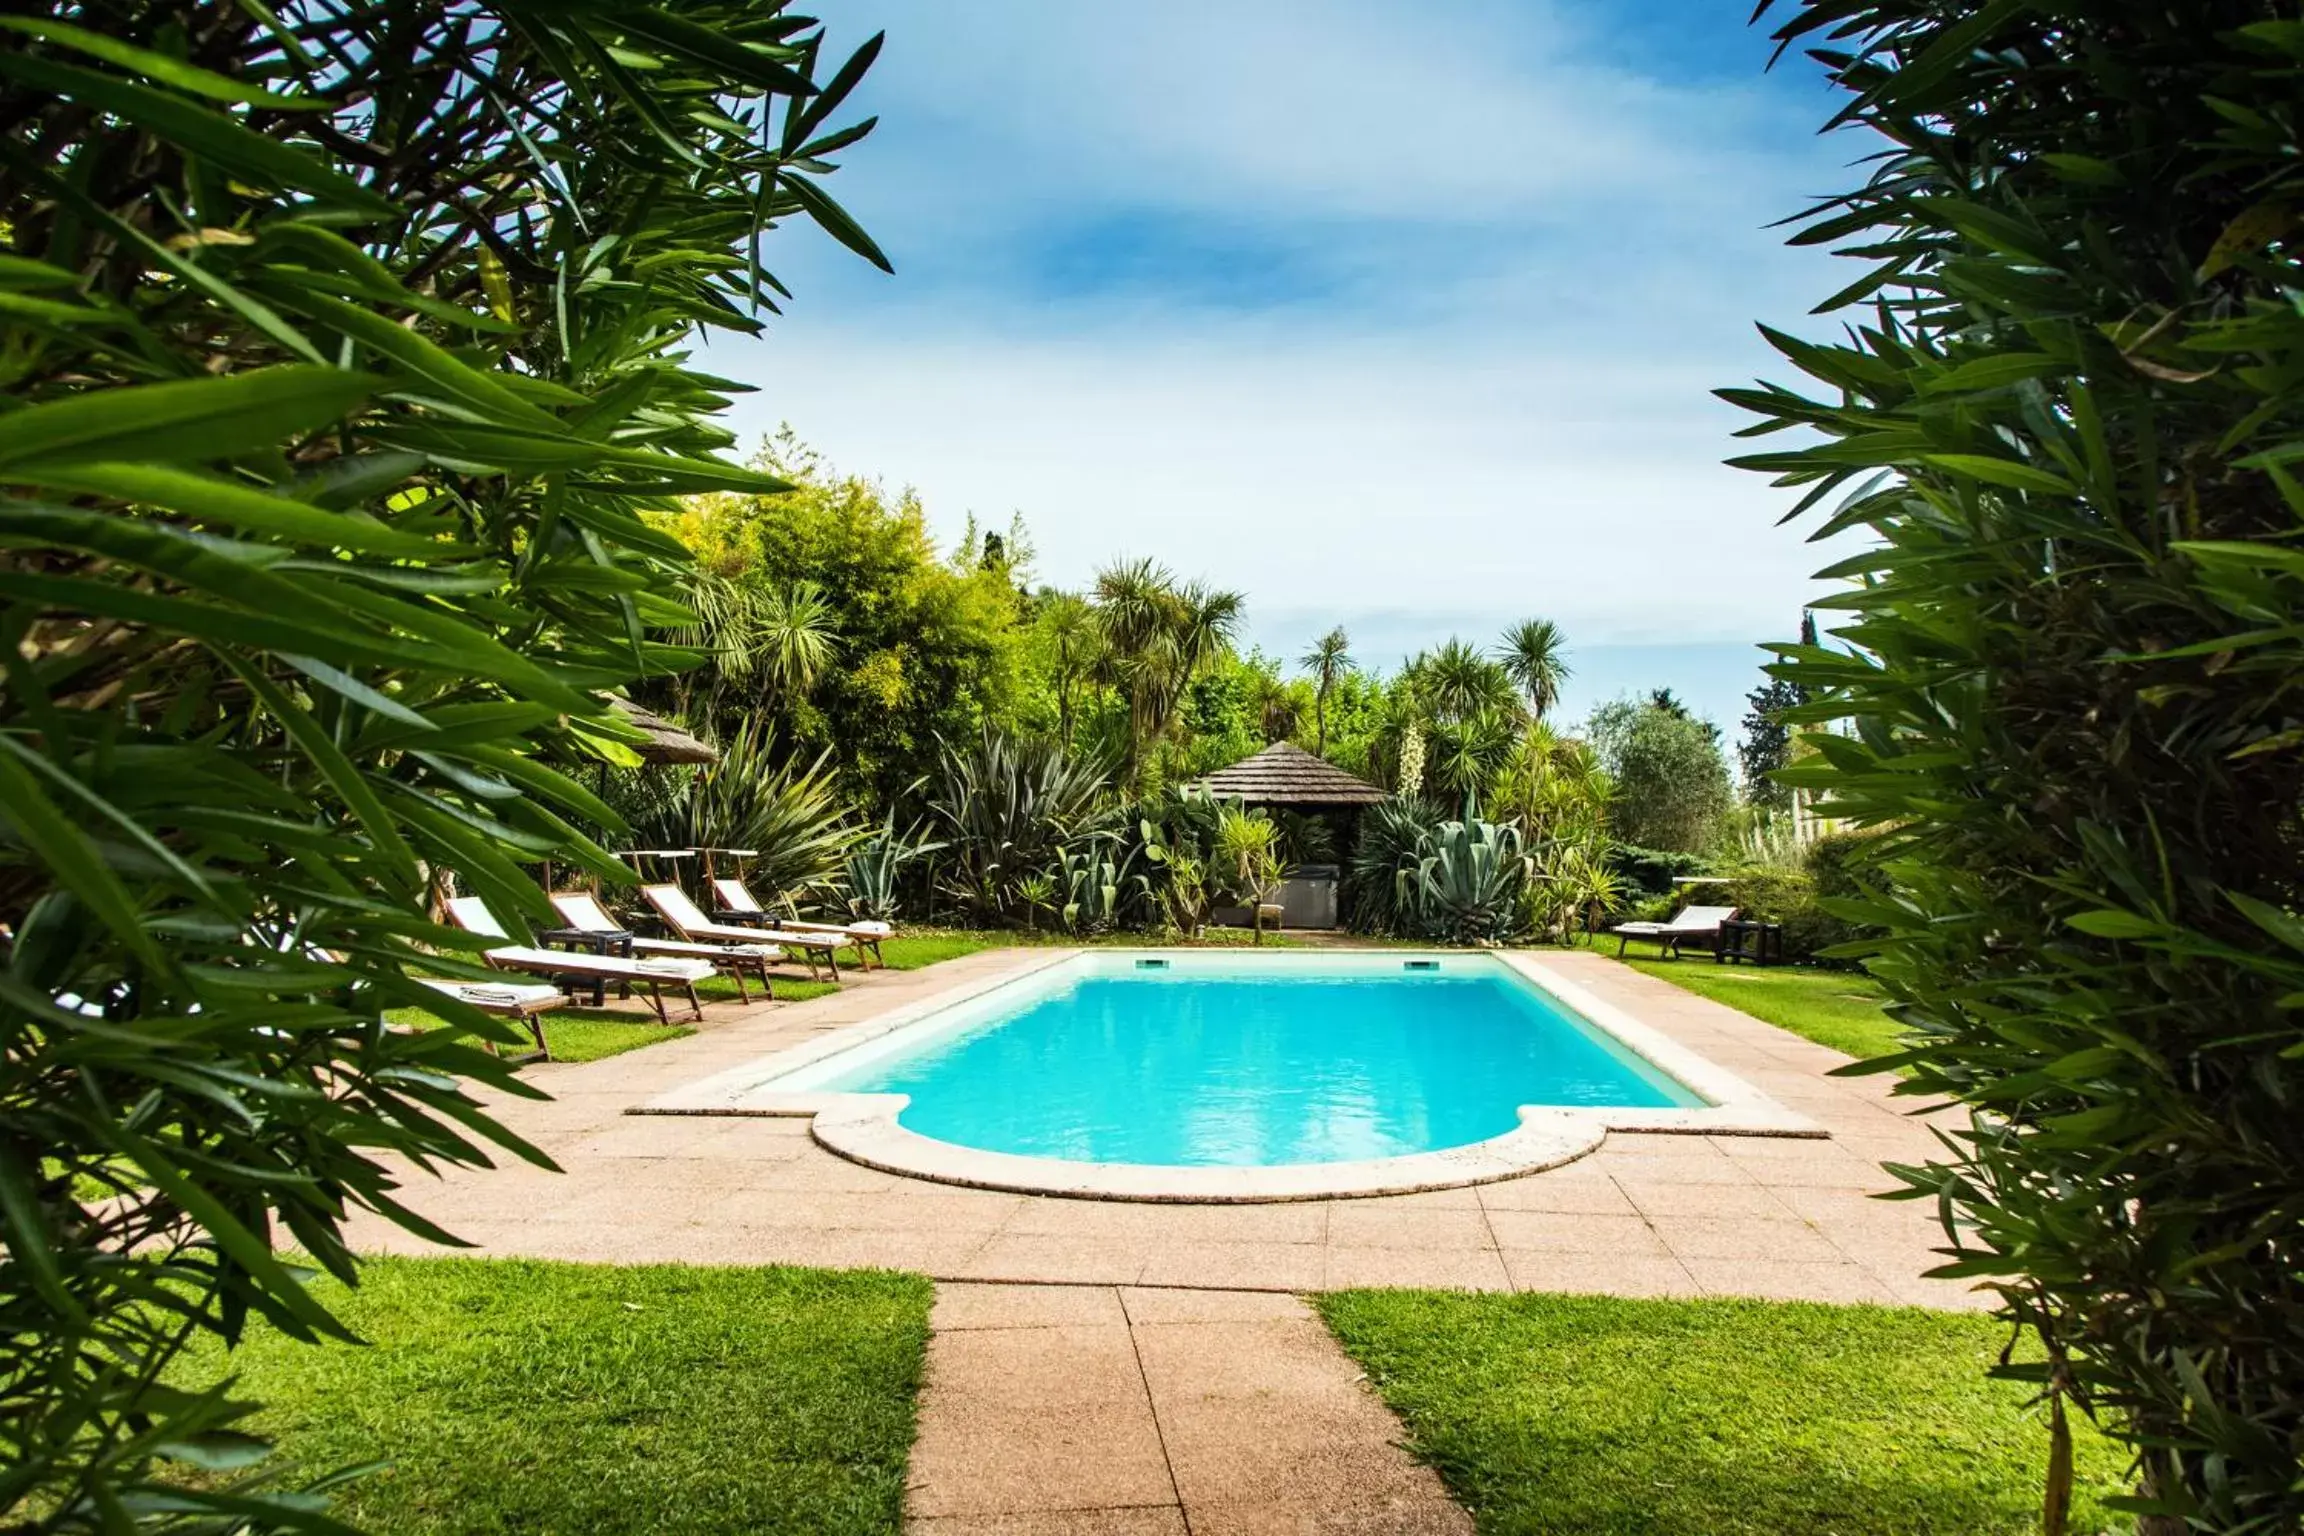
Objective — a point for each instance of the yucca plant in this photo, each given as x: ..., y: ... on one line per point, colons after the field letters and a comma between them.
x: 1007, y: 809
x: 343, y: 352
x: 1247, y: 852
x: 2068, y: 415
x: 792, y: 816
x: 1388, y: 847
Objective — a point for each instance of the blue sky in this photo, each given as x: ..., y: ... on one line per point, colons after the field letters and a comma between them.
x: 1399, y: 317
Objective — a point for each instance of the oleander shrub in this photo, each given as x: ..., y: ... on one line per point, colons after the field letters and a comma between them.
x: 2068, y: 410
x: 343, y: 352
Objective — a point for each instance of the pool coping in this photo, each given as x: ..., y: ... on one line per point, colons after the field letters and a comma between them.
x: 863, y: 1127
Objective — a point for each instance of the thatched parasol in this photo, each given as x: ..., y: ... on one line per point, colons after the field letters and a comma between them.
x: 666, y: 742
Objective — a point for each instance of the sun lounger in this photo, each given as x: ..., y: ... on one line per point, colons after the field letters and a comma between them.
x: 472, y: 915
x: 687, y: 919
x: 521, y: 1000
x: 735, y: 903
x: 582, y: 910
x: 1688, y: 923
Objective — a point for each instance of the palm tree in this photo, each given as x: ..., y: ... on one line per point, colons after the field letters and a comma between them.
x: 793, y: 637
x: 1456, y: 681
x: 1276, y: 706
x: 1532, y: 653
x: 1329, y: 659
x: 1157, y: 638
x: 775, y: 640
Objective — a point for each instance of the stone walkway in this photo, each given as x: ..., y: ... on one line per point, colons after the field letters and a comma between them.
x: 1088, y: 1410
x: 1644, y: 1215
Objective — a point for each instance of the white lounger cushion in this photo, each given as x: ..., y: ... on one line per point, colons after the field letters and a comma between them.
x: 504, y: 994
x: 705, y: 951
x: 734, y: 897
x: 672, y: 904
x: 559, y: 963
x: 1687, y: 920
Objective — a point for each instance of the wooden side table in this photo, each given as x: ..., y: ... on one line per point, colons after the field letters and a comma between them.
x: 1744, y: 939
x: 596, y: 941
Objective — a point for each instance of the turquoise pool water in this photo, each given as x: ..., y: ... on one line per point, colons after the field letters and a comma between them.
x: 1220, y: 1060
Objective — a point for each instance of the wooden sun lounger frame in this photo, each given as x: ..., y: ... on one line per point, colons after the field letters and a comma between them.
x: 730, y: 960
x: 545, y: 962
x: 755, y: 915
x: 559, y: 967
x: 529, y: 1013
x: 809, y: 945
x: 1668, y: 937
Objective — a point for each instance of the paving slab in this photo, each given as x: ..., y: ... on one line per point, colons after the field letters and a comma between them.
x: 1171, y: 1410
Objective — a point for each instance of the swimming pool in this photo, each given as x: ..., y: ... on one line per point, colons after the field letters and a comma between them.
x: 1227, y: 1075
x: 1251, y: 1061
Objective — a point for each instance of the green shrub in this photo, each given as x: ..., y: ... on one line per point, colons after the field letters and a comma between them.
x: 1768, y: 894
x: 345, y: 352
x: 2070, y: 426
x: 1651, y: 871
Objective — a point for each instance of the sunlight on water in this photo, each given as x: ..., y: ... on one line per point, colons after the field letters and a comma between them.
x: 1259, y: 1070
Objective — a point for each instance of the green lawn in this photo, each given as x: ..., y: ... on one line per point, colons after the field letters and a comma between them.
x: 1840, y: 1009
x: 1592, y: 1416
x: 513, y: 1396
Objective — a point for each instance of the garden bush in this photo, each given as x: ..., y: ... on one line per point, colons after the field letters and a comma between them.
x: 2068, y: 414
x: 1768, y: 894
x: 1651, y: 871
x: 345, y: 351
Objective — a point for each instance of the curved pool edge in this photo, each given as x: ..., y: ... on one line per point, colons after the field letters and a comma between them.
x: 863, y: 1128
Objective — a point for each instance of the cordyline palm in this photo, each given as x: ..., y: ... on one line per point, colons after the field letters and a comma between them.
x: 1328, y: 660
x: 1456, y: 682
x: 794, y: 637
x: 1532, y: 654
x: 1157, y: 637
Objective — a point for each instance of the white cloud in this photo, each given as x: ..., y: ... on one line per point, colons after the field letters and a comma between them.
x: 1519, y: 267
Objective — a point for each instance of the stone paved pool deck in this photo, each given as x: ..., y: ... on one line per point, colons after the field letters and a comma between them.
x: 1102, y: 1366
x: 1645, y: 1215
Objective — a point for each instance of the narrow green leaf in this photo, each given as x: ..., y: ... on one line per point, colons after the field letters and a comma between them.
x: 188, y: 421
x: 198, y: 130
x: 232, y: 504
x: 155, y: 66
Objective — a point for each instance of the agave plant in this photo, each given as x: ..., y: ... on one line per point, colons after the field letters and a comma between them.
x: 1008, y: 809
x: 1470, y: 883
x: 871, y: 877
x: 1096, y: 882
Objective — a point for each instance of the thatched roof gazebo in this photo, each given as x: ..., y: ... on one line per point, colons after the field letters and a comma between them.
x: 1286, y: 777
x: 666, y: 742
x: 1285, y: 774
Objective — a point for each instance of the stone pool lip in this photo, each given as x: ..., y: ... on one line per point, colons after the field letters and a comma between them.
x: 863, y: 1128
